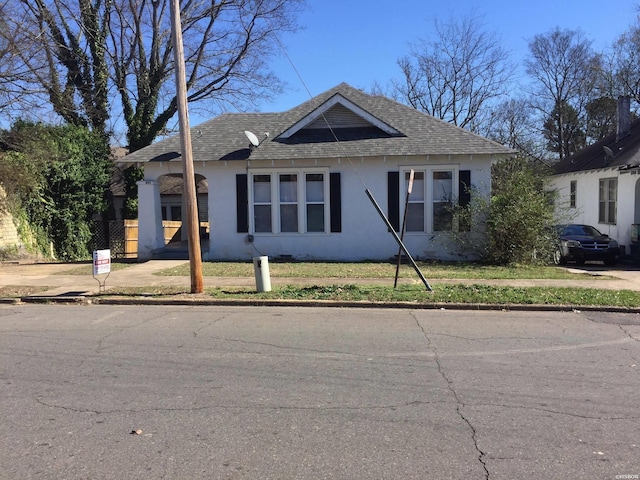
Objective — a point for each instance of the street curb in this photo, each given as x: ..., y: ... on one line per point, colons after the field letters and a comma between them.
x: 82, y: 300
x: 10, y: 301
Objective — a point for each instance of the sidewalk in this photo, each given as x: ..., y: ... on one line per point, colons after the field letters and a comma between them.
x: 142, y: 275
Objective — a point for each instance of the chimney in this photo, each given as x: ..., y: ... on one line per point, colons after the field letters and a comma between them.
x: 624, y: 117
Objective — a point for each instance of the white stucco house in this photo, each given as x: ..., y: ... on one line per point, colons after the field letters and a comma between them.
x: 600, y: 185
x: 301, y: 193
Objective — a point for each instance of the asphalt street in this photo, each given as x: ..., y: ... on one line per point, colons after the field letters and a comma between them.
x: 180, y: 392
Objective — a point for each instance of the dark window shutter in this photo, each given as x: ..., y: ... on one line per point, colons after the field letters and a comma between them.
x: 464, y: 199
x: 393, y: 199
x: 335, y: 202
x: 242, y: 203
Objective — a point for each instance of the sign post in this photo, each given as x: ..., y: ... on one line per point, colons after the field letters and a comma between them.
x: 397, y: 238
x: 101, y: 266
x: 404, y: 222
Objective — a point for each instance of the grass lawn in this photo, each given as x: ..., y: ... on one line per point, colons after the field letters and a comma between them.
x: 441, y: 294
x: 377, y: 270
x: 344, y: 290
x: 16, y: 291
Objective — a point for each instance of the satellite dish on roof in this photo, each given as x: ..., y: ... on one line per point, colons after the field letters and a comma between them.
x: 608, y: 152
x: 252, y: 138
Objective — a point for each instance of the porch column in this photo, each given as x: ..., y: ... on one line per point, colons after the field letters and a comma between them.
x: 150, y: 232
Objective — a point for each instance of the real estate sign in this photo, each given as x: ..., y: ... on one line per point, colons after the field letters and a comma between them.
x: 101, y: 262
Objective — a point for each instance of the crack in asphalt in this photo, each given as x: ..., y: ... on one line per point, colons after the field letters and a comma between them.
x: 460, y: 404
x: 208, y: 324
x: 9, y: 311
x: 628, y: 334
x: 67, y: 408
x: 555, y: 412
x: 481, y: 340
x: 293, y: 349
x: 100, y: 342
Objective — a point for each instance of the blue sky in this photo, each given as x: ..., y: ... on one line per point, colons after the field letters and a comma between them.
x: 359, y: 41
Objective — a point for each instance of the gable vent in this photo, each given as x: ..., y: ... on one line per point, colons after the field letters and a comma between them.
x: 342, y: 114
x: 339, y: 116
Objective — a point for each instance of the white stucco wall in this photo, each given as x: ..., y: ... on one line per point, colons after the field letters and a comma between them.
x: 364, y: 236
x: 150, y: 233
x: 587, y: 200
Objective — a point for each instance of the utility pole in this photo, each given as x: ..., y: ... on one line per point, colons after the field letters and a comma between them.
x: 191, y: 217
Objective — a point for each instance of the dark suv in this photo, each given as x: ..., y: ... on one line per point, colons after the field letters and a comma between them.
x: 580, y: 243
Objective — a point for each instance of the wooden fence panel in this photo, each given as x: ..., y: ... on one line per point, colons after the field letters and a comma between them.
x: 130, y: 238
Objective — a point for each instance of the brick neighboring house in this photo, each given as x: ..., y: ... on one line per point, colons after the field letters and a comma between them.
x: 301, y: 193
x: 600, y: 184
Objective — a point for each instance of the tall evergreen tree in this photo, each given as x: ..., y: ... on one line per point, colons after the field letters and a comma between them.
x: 562, y: 130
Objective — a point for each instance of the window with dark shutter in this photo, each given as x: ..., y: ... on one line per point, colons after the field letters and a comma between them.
x: 335, y: 202
x: 464, y: 199
x: 242, y: 203
x: 393, y: 199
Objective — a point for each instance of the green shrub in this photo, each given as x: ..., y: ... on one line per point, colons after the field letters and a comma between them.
x: 517, y: 218
x: 60, y: 178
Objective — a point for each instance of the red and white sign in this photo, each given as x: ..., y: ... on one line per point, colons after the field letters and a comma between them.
x: 101, y: 262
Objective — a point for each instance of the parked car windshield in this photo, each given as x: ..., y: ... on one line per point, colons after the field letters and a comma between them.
x: 586, y: 230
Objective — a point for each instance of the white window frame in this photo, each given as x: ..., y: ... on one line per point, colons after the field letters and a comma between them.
x: 167, y: 211
x: 605, y: 218
x: 301, y: 200
x: 428, y: 193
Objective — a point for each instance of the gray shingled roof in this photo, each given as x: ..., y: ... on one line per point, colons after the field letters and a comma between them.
x: 222, y: 138
x: 595, y: 156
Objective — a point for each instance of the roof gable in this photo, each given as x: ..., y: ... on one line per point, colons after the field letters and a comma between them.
x: 364, y: 125
x: 338, y: 113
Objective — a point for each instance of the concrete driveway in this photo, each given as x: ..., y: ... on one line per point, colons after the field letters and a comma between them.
x: 628, y: 273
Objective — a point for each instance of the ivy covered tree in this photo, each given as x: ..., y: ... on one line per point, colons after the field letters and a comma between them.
x: 69, y: 171
x: 99, y: 63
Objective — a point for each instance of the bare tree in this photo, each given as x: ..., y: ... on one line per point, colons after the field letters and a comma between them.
x: 457, y: 74
x: 564, y: 69
x: 625, y: 62
x: 93, y: 56
x: 13, y: 91
x: 227, y: 46
x: 512, y: 124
